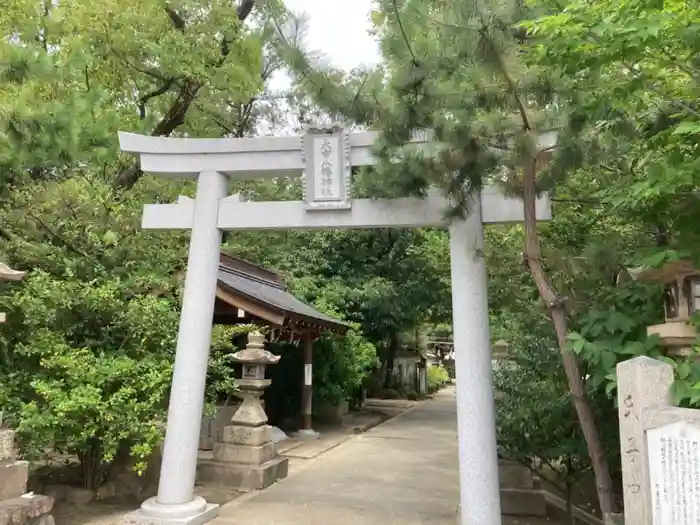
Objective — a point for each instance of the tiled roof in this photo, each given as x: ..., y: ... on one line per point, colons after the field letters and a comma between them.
x: 271, y: 292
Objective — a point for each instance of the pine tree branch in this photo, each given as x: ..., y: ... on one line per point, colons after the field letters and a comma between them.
x: 513, y: 87
x: 403, y: 33
x: 141, y: 69
x: 61, y: 240
x: 176, y: 19
x: 164, y: 88
x: 244, y: 10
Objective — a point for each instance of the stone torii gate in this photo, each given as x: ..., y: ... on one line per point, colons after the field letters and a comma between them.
x: 323, y: 157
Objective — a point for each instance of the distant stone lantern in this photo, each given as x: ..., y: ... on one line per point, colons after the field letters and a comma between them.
x: 500, y: 350
x: 8, y: 274
x: 681, y: 282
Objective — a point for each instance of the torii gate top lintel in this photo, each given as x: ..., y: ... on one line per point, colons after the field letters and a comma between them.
x: 323, y: 158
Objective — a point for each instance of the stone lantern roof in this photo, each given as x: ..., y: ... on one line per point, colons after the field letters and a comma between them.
x: 255, y: 353
x: 668, y: 273
x: 681, y: 281
x: 8, y: 274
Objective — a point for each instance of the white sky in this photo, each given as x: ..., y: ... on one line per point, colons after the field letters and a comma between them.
x: 339, y: 30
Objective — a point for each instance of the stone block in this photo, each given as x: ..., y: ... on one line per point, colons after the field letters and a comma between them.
x: 523, y: 502
x: 246, y: 454
x: 614, y: 519
x: 46, y: 519
x: 80, y: 497
x: 255, y: 436
x: 7, y: 444
x: 330, y: 413
x: 213, y: 425
x: 19, y: 511
x: 13, y: 479
x: 245, y: 478
x: 514, y: 476
x: 57, y: 492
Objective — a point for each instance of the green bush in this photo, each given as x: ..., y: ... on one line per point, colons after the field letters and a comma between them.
x: 412, y: 396
x: 437, y: 377
x: 341, y: 366
x: 390, y: 393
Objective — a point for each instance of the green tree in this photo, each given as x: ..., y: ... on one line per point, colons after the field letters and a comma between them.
x: 456, y: 69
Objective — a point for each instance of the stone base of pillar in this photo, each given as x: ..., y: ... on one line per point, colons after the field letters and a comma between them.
x: 239, y: 476
x: 306, y: 434
x: 246, y: 459
x: 196, y: 512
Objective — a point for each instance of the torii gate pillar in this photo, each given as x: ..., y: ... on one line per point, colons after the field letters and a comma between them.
x: 323, y: 158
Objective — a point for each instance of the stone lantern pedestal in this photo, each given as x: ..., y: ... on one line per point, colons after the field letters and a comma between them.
x: 246, y: 457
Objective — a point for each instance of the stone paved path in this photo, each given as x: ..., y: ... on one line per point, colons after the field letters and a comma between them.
x: 402, y: 472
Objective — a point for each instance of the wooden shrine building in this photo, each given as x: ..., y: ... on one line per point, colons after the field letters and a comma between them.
x: 250, y: 294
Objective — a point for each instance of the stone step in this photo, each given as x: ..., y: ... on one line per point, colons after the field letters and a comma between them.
x: 242, y: 477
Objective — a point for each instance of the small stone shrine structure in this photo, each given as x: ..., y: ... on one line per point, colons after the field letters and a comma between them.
x: 660, y: 446
x: 681, y: 282
x: 16, y: 506
x: 246, y: 458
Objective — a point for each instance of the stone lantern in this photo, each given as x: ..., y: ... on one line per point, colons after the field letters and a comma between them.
x: 681, y: 282
x: 246, y: 457
x: 500, y: 350
x: 8, y: 274
x: 253, y: 359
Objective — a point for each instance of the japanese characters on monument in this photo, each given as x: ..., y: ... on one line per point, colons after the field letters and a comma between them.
x: 326, y: 174
x: 674, y: 474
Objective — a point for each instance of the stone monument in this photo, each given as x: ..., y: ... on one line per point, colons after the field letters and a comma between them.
x: 246, y: 458
x: 660, y: 446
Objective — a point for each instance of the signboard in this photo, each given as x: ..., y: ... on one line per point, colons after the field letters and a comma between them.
x: 674, y: 473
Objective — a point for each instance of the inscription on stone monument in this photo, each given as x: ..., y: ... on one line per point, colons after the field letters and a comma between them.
x: 674, y: 473
x: 326, y: 175
x: 327, y: 183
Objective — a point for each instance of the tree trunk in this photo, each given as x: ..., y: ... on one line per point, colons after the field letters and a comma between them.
x: 91, y: 464
x: 390, y: 356
x: 557, y: 309
x: 570, y: 491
